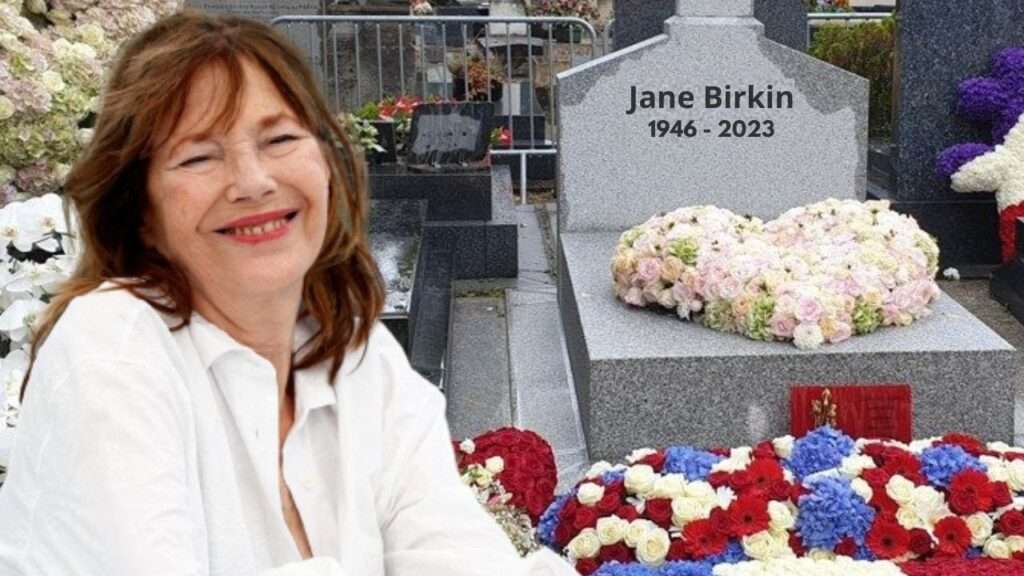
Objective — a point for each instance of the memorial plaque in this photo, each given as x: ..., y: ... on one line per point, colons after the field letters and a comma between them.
x: 449, y: 136
x: 860, y: 411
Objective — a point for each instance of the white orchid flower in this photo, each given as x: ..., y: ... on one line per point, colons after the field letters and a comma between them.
x: 19, y: 317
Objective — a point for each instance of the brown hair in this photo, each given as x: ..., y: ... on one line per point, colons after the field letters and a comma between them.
x: 146, y: 92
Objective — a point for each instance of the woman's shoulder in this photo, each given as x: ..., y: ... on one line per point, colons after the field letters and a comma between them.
x: 109, y: 322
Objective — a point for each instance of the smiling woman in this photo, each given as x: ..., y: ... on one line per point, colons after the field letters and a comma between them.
x: 211, y: 392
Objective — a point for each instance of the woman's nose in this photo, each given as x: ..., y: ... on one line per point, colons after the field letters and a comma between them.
x: 251, y: 177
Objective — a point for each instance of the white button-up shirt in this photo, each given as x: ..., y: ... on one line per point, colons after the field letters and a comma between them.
x: 143, y: 451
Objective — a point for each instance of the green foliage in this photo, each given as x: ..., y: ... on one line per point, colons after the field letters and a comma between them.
x: 866, y: 49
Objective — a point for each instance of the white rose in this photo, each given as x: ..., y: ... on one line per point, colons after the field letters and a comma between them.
x: 467, y: 446
x: 687, y: 509
x: 590, y: 493
x: 900, y: 489
x: 640, y: 479
x: 585, y: 544
x: 997, y: 548
x: 781, y: 516
x: 611, y: 530
x: 861, y: 488
x: 653, y: 547
x: 637, y: 529
x: 702, y: 492
x: 760, y: 546
x: 639, y: 454
x: 999, y: 447
x: 807, y: 336
x: 907, y: 517
x: 821, y: 554
x: 669, y: 486
x: 852, y: 466
x: 597, y: 469
x: 53, y: 81
x: 783, y: 446
x: 996, y: 470
x: 981, y: 528
x: 1016, y: 543
x: 1015, y: 469
x: 930, y: 504
x: 495, y: 465
x: 725, y: 497
x: 36, y: 6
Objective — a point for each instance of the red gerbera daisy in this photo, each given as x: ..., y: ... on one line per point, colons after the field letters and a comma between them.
x: 953, y: 535
x: 748, y: 515
x: 764, y: 474
x: 888, y: 540
x: 702, y: 540
x: 969, y: 492
x: 921, y: 542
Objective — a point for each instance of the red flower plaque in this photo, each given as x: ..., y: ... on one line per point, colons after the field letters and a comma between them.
x: 861, y: 411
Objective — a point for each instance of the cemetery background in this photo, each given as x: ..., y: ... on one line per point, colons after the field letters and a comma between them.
x: 488, y: 326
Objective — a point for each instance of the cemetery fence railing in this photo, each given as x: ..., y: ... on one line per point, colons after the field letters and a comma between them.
x: 430, y: 40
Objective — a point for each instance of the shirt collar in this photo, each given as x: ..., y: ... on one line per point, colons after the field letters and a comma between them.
x: 312, y: 387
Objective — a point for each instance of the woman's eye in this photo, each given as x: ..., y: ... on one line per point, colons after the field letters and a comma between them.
x: 283, y: 138
x: 195, y: 160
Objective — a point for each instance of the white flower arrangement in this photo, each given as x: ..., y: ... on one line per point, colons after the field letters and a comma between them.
x: 819, y: 273
x: 37, y: 253
x: 51, y: 73
x: 840, y: 566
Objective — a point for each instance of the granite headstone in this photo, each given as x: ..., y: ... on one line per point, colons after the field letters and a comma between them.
x: 785, y: 21
x: 648, y: 379
x: 731, y: 118
x: 305, y: 37
x: 940, y: 43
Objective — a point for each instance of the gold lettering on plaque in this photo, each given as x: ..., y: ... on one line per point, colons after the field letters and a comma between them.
x: 824, y: 410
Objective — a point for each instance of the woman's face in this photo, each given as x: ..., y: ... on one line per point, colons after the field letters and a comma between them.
x: 242, y: 212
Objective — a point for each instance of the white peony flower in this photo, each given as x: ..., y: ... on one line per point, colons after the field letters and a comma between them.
x: 19, y: 317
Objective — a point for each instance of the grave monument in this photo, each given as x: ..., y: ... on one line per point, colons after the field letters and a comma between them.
x: 713, y: 112
x: 939, y: 43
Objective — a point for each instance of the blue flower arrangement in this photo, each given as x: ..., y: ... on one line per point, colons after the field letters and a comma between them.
x: 831, y: 512
x: 695, y: 464
x: 821, y: 449
x: 676, y: 568
x: 941, y: 463
x: 549, y: 520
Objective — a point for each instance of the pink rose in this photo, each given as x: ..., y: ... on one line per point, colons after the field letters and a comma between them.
x: 649, y: 270
x: 840, y: 331
x: 783, y: 325
x: 635, y: 296
x: 808, y: 309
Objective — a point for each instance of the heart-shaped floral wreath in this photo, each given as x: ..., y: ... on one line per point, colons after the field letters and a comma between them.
x: 819, y: 273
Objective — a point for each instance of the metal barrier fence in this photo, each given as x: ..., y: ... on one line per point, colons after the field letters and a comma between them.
x: 819, y: 19
x: 450, y: 57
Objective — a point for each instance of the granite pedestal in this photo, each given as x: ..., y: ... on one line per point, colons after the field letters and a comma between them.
x: 646, y: 378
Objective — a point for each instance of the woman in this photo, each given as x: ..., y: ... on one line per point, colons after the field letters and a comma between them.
x: 212, y: 393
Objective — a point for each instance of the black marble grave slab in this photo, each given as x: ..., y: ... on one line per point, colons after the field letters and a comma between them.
x: 450, y: 195
x: 1008, y: 282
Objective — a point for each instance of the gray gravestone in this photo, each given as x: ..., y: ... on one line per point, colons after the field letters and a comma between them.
x: 939, y: 44
x: 389, y: 71
x: 303, y: 36
x: 737, y: 119
x: 785, y: 21
x: 648, y: 379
